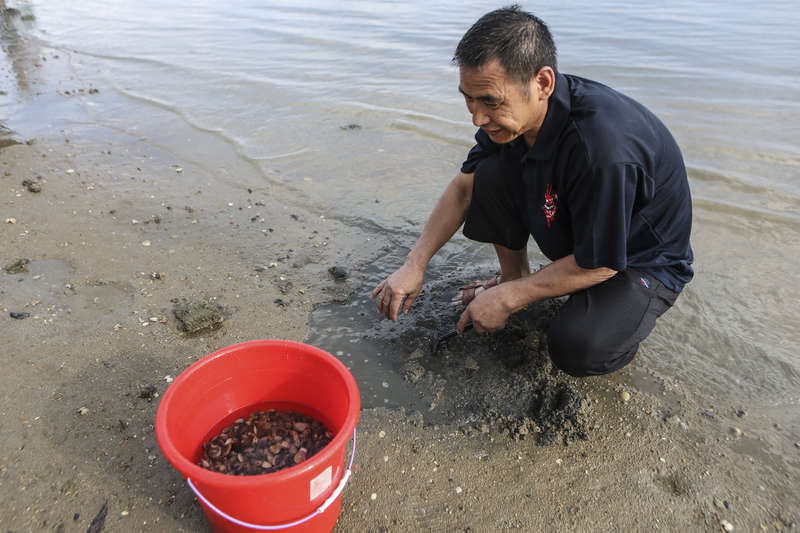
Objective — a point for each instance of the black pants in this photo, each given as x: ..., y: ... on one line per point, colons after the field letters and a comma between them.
x: 597, y: 330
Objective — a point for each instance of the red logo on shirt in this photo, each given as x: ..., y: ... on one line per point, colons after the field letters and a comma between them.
x: 550, y: 204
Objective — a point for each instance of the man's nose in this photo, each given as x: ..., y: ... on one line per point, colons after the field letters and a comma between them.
x: 479, y: 118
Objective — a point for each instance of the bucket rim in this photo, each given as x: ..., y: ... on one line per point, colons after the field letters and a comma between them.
x: 202, y: 475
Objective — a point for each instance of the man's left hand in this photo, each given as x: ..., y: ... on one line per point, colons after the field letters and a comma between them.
x: 487, y: 312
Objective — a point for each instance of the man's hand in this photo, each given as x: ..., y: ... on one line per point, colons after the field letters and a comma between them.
x: 487, y: 312
x: 490, y: 309
x: 401, y: 288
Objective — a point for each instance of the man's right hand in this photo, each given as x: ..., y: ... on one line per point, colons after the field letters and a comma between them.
x: 401, y: 288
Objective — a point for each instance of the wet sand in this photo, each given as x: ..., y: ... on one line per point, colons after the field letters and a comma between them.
x: 121, y: 231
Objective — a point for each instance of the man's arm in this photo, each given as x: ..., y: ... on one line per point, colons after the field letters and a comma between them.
x: 491, y: 308
x: 404, y: 285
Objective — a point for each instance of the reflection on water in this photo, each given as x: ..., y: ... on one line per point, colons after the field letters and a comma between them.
x: 277, y: 82
x: 20, y: 50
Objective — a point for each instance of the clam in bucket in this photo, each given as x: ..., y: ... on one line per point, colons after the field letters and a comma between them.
x: 256, y: 376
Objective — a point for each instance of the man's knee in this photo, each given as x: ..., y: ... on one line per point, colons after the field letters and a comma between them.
x: 582, y: 352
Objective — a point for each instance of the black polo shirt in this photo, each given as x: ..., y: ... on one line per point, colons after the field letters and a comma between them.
x: 605, y: 180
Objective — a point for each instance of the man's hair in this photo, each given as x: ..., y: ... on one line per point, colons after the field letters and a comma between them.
x: 519, y: 40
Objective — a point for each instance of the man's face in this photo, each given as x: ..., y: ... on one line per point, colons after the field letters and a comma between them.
x: 499, y: 106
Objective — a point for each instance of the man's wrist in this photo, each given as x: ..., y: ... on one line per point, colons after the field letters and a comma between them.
x: 414, y: 261
x: 511, y: 296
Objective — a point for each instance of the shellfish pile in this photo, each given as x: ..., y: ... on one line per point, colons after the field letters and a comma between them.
x: 264, y: 442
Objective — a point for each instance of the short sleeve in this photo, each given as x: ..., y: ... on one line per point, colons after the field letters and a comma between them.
x: 601, y: 204
x: 484, y: 148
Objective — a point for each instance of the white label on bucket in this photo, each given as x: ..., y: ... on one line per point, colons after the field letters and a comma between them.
x: 320, y: 483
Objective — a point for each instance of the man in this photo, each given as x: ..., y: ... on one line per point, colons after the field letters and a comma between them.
x: 595, y: 178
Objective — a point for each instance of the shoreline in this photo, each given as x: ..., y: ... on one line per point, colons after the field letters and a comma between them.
x: 667, y: 458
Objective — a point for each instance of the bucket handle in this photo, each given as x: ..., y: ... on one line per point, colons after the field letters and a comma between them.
x: 319, y: 510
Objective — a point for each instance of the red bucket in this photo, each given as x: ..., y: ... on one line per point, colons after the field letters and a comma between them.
x: 255, y: 376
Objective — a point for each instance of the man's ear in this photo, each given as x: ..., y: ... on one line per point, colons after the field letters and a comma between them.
x: 543, y: 83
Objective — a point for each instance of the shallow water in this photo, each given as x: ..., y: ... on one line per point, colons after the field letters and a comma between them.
x: 267, y: 87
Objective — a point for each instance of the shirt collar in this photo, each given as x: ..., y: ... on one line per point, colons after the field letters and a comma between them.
x: 555, y: 120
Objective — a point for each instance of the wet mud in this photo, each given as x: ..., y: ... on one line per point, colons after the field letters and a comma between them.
x: 500, y: 383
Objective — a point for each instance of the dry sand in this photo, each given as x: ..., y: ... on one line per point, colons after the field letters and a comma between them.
x: 76, y: 418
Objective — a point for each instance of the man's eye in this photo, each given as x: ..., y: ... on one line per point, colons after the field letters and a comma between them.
x: 492, y: 105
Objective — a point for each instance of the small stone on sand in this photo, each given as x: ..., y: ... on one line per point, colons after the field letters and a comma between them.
x: 32, y: 186
x: 339, y: 273
x: 197, y: 316
x: 17, y: 266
